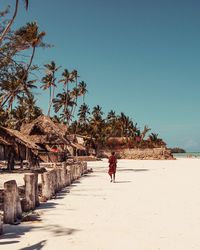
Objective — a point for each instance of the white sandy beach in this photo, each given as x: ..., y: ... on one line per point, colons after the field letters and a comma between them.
x: 154, y: 205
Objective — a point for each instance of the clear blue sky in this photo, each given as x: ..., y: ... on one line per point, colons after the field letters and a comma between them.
x: 139, y: 57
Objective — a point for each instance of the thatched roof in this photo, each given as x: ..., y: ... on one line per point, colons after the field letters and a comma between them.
x: 20, y: 138
x: 44, y: 131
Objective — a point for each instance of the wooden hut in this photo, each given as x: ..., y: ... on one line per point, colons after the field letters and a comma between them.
x: 21, y: 146
x: 49, y: 136
x: 4, y: 148
x: 78, y: 143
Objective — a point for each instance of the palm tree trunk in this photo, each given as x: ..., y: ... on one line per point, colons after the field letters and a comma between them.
x: 29, y: 65
x: 10, y: 23
x: 31, y: 59
x: 48, y: 114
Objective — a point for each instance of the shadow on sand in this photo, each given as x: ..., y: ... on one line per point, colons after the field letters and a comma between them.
x: 133, y: 170
x: 37, y: 246
x: 123, y: 181
x: 16, y: 232
x: 12, y: 233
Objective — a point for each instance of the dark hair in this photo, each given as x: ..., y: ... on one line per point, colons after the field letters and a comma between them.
x: 113, y: 153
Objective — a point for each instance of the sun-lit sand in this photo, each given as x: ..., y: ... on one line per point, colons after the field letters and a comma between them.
x: 153, y: 205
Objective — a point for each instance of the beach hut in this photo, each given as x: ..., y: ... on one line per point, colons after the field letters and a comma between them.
x: 78, y: 143
x: 51, y: 137
x: 14, y: 144
x: 4, y: 147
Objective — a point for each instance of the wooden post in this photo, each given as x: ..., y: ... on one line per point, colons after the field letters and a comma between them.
x: 1, y: 224
x: 85, y: 167
x: 47, y: 185
x: 63, y: 176
x: 73, y: 172
x: 37, y: 203
x: 53, y: 182
x: 68, y: 179
x: 29, y: 180
x: 59, y: 181
x: 10, y: 201
x: 18, y: 207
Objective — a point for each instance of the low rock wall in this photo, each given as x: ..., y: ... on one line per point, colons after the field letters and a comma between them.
x: 143, y: 154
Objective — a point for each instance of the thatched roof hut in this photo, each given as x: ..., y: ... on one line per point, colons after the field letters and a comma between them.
x: 20, y: 144
x: 44, y: 131
x: 16, y: 136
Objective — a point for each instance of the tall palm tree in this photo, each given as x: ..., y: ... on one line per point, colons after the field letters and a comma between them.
x: 63, y: 101
x: 7, y: 28
x: 26, y: 37
x: 74, y: 76
x: 83, y: 112
x: 66, y: 79
x: 49, y: 81
x: 82, y: 86
x: 29, y: 37
x: 111, y: 115
x: 97, y: 112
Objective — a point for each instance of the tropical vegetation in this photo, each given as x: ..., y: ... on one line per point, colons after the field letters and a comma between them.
x: 20, y: 84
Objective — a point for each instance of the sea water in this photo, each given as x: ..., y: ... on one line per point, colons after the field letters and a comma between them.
x: 187, y: 155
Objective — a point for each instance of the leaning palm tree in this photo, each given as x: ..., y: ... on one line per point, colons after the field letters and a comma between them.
x: 7, y: 28
x: 29, y: 37
x: 24, y: 38
x: 13, y: 87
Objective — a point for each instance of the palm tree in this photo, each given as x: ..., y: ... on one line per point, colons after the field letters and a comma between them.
x: 74, y: 94
x: 7, y: 28
x: 13, y: 87
x: 49, y: 82
x: 82, y: 113
x: 97, y: 112
x: 111, y: 115
x: 63, y: 101
x: 29, y: 37
x: 144, y: 132
x: 74, y: 76
x: 24, y: 38
x: 66, y: 79
x: 26, y: 112
x: 82, y: 86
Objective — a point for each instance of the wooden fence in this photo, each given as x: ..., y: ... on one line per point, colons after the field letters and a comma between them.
x: 53, y: 181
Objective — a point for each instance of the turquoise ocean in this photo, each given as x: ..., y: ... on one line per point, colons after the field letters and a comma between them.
x: 187, y: 155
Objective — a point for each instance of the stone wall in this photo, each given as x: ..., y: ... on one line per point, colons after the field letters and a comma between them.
x: 143, y: 154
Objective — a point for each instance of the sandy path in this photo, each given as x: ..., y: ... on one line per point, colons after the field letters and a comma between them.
x: 154, y: 205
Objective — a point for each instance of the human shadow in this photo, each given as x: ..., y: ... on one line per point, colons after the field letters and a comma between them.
x: 37, y: 246
x: 133, y: 170
x: 123, y: 181
x: 89, y: 175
